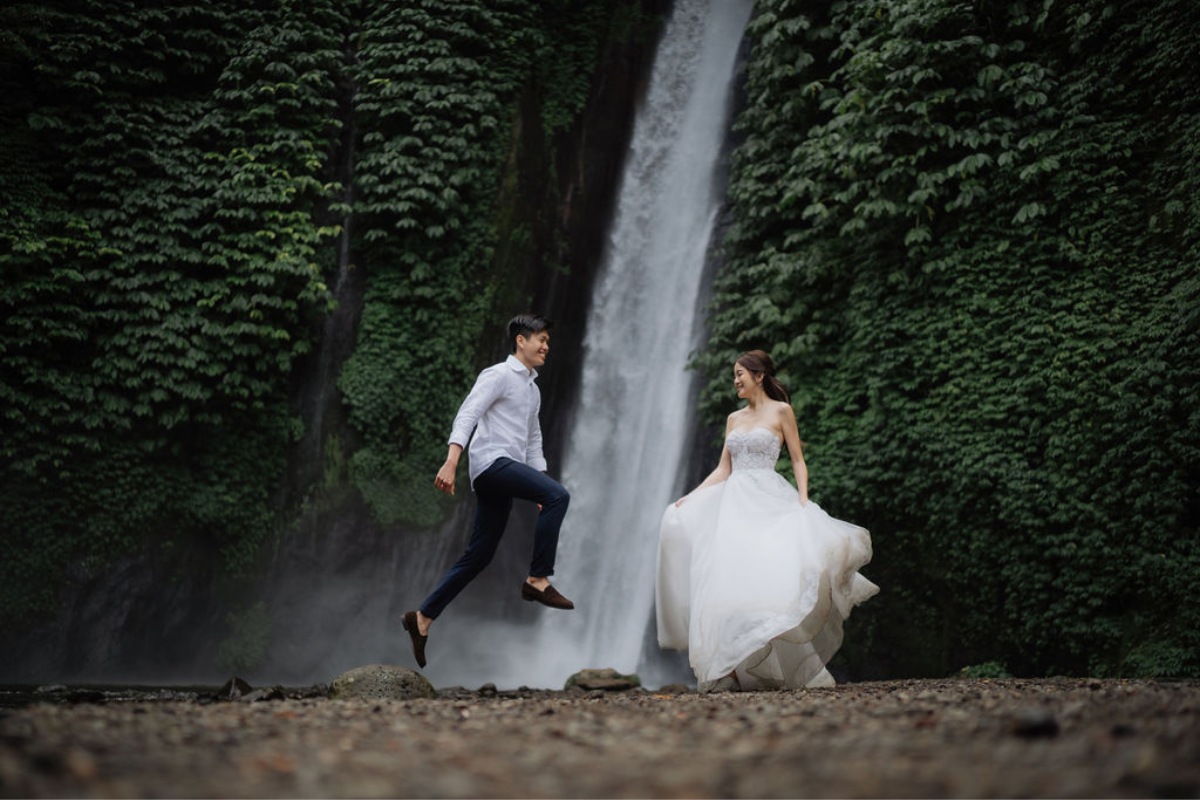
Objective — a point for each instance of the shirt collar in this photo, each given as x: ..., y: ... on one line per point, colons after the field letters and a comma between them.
x: 515, y: 365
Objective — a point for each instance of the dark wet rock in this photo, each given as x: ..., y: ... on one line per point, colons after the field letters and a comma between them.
x: 381, y: 682
x: 608, y: 680
x: 158, y: 696
x: 269, y: 693
x: 233, y: 689
x: 313, y: 691
x: 84, y: 696
x: 1034, y: 723
x: 487, y: 689
x: 55, y: 693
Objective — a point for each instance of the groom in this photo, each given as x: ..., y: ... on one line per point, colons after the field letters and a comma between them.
x: 506, y: 462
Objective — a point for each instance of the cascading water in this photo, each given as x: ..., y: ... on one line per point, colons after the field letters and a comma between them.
x: 624, y: 455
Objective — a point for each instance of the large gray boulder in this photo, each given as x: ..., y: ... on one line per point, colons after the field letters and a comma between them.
x: 380, y: 682
x: 608, y: 680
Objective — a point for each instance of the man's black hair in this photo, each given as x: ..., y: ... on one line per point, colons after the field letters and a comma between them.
x: 526, y: 325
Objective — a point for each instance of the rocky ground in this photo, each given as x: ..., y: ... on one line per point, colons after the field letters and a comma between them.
x: 923, y: 738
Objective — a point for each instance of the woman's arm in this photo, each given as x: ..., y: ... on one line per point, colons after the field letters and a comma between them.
x: 724, y: 467
x: 791, y: 436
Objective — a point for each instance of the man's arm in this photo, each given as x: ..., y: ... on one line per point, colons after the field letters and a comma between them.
x: 483, y: 394
x: 533, y: 448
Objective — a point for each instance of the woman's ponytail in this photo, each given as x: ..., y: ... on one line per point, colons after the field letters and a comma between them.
x: 774, y: 389
x: 759, y: 363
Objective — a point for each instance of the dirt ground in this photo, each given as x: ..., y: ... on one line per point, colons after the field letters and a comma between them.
x: 920, y: 738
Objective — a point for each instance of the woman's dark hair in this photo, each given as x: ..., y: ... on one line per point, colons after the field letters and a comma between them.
x: 759, y: 363
x: 526, y: 325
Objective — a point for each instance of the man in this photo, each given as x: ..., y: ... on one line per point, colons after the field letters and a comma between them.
x: 506, y: 462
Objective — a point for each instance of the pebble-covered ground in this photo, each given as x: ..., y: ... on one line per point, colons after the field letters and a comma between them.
x: 921, y: 738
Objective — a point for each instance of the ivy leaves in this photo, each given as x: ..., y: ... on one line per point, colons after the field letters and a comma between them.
x: 175, y: 183
x: 436, y: 99
x: 938, y: 233
x: 165, y: 257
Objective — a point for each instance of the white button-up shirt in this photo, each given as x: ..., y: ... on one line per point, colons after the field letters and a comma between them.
x: 504, y: 403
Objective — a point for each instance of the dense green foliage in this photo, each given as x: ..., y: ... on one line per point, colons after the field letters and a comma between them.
x: 437, y: 82
x: 968, y: 233
x: 178, y: 183
x: 161, y: 258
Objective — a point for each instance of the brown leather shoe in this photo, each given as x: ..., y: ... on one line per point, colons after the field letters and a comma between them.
x: 547, y: 597
x: 409, y: 620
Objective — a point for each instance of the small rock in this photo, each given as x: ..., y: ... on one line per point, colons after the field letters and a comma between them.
x: 675, y: 688
x: 233, y: 689
x: 608, y: 680
x: 381, y: 682
x: 47, y: 762
x: 85, y: 696
x: 304, y: 692
x: 1033, y: 723
x: 80, y: 764
x: 270, y: 693
x: 487, y: 689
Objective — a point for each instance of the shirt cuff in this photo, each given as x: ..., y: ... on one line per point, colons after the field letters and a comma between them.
x: 458, y: 438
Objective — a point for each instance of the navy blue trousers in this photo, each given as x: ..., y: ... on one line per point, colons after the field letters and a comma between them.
x: 495, y: 489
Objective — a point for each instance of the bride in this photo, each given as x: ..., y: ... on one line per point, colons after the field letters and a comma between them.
x: 754, y: 580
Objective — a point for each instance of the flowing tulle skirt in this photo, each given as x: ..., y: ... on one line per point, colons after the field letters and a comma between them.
x: 750, y: 580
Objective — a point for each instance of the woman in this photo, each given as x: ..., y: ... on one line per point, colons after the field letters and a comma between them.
x: 754, y: 580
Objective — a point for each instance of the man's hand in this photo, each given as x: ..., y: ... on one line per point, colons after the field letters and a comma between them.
x: 445, y: 478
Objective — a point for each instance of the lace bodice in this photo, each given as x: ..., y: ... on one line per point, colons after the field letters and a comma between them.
x: 756, y: 448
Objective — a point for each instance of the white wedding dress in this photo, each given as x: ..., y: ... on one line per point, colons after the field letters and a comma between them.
x: 750, y: 580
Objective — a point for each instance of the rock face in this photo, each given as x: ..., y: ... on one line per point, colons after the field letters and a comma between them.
x: 380, y: 682
x: 608, y: 680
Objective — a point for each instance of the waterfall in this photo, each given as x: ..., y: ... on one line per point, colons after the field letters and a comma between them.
x: 624, y: 455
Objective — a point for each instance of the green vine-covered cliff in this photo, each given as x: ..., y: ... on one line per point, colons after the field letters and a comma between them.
x: 968, y: 232
x: 199, y: 198
x: 253, y: 254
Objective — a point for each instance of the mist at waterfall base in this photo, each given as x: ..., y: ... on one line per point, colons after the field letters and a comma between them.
x: 624, y: 457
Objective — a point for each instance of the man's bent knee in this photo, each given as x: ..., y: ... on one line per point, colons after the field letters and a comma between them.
x: 560, y: 497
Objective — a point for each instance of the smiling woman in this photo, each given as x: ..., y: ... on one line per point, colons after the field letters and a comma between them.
x: 753, y: 581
